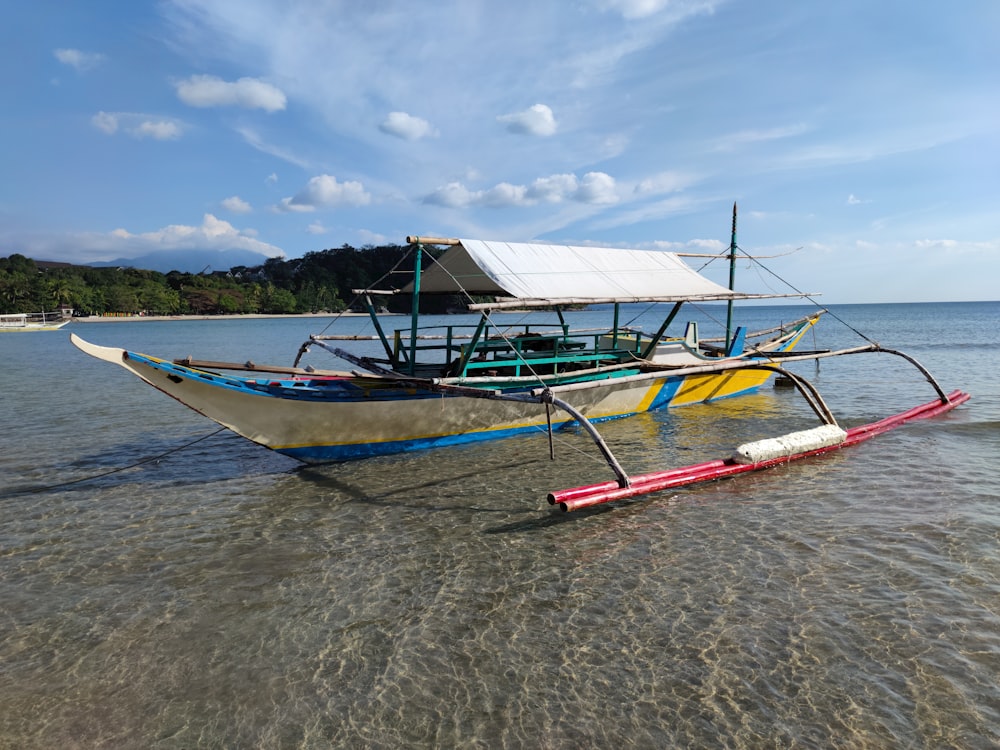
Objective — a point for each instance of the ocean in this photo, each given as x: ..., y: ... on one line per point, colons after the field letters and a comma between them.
x: 167, y: 585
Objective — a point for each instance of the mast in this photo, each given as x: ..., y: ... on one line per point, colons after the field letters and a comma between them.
x: 732, y: 279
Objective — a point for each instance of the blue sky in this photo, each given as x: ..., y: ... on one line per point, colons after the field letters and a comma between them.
x: 861, y: 139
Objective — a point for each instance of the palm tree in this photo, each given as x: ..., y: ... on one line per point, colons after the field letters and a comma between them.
x: 16, y: 288
x: 60, y: 291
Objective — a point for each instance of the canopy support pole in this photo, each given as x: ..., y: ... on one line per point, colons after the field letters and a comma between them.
x: 648, y: 351
x: 614, y: 326
x: 470, y: 348
x: 373, y: 314
x: 415, y: 305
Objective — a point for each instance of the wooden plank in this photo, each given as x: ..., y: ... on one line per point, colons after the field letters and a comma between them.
x: 204, y: 364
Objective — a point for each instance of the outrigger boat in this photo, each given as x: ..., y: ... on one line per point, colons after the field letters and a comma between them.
x: 43, y: 321
x: 457, y: 384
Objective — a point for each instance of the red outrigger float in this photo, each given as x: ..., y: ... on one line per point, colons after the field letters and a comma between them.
x: 763, y: 454
x: 595, y: 494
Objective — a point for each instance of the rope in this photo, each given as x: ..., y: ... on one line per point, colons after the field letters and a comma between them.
x: 486, y: 314
x: 92, y: 477
x: 806, y: 296
x: 372, y: 285
x: 500, y: 330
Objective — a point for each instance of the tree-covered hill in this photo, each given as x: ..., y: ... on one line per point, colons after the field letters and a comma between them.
x: 318, y: 281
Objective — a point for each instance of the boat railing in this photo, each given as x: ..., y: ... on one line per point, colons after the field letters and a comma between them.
x: 535, y: 347
x: 22, y: 320
x: 531, y: 348
x: 448, y: 339
x: 17, y: 320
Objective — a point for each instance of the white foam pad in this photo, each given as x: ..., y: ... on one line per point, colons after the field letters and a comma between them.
x: 789, y: 445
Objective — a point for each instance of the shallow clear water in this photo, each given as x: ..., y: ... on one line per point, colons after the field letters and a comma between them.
x: 224, y: 596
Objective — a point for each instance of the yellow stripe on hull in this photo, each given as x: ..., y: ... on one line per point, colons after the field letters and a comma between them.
x: 697, y: 389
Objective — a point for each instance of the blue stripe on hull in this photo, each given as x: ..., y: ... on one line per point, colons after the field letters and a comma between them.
x: 347, y: 452
x: 666, y: 394
x: 350, y: 451
x: 361, y: 390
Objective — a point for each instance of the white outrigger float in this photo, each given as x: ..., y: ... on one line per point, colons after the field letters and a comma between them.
x: 461, y: 384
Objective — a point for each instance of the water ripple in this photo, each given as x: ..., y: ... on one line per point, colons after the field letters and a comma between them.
x: 222, y: 597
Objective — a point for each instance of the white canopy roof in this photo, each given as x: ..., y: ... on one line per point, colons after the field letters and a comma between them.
x: 542, y: 274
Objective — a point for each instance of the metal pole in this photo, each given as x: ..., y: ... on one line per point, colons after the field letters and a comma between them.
x: 415, y: 306
x: 732, y: 280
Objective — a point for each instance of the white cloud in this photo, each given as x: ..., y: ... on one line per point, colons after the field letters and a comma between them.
x: 105, y: 122
x: 712, y: 246
x: 635, y: 8
x: 734, y: 141
x: 553, y: 189
x: 406, y: 126
x: 614, y: 145
x: 664, y: 182
x: 212, y: 234
x: 272, y: 178
x: 212, y: 91
x: 853, y: 200
x: 709, y: 247
x: 324, y: 191
x: 536, y: 120
x: 254, y: 140
x: 372, y: 238
x: 237, y: 205
x: 290, y: 205
x: 599, y: 63
x: 597, y: 188
x: 317, y: 228
x: 937, y: 245
x: 452, y: 195
x: 75, y: 58
x: 138, y: 125
x: 161, y: 130
x: 503, y: 195
x: 649, y: 211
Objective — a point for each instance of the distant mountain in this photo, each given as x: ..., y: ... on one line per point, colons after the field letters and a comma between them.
x: 188, y: 261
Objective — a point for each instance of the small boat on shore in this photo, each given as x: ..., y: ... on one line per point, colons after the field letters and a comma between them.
x: 454, y: 384
x: 43, y: 321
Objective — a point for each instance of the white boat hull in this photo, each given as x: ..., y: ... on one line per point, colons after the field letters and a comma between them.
x: 329, y: 419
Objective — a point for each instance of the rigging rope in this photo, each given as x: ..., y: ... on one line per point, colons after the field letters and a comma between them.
x: 806, y: 296
x: 755, y: 261
x: 486, y: 314
x: 501, y: 330
x: 357, y: 297
x: 92, y: 477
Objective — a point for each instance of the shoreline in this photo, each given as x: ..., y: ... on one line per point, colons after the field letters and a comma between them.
x: 236, y: 316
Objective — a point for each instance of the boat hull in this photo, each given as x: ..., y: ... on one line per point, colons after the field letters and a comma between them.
x: 28, y: 327
x: 323, y: 419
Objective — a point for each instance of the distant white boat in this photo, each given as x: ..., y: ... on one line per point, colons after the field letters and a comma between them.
x: 43, y: 321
